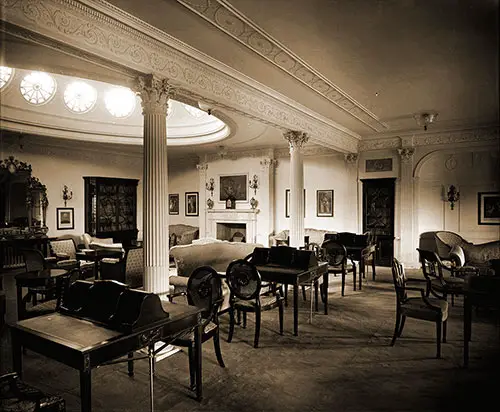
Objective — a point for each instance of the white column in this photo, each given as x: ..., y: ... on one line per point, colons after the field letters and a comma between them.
x: 202, y: 169
x: 266, y: 201
x: 154, y: 93
x: 351, y: 162
x: 407, y: 241
x: 296, y: 140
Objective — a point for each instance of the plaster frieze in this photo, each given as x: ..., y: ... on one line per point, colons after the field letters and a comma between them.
x: 97, y: 28
x: 227, y: 19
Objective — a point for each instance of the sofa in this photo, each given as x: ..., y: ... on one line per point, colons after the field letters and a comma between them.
x: 181, y: 234
x: 442, y: 242
x: 315, y: 236
x: 211, y: 252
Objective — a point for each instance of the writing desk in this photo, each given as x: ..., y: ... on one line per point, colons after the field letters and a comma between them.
x: 84, y: 345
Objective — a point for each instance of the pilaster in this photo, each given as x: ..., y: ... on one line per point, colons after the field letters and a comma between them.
x: 406, y: 206
x: 351, y: 163
x: 202, y: 171
x: 266, y: 201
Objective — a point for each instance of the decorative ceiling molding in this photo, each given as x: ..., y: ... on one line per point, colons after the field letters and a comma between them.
x: 95, y: 27
x: 481, y: 135
x: 226, y: 18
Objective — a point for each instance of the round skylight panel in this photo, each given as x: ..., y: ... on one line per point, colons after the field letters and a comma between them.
x: 120, y: 101
x: 80, y: 97
x: 38, y: 87
x: 193, y: 111
x: 5, y: 75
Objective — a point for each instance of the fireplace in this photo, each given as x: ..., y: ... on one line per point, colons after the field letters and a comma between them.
x: 226, y: 231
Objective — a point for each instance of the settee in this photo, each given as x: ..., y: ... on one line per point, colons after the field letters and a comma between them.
x: 181, y: 234
x: 443, y: 241
x: 315, y: 236
x: 211, y: 252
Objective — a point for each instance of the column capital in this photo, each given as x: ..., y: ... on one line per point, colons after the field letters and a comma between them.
x: 406, y: 153
x: 154, y: 93
x: 295, y: 138
x: 268, y: 163
x: 202, y: 167
x: 351, y: 158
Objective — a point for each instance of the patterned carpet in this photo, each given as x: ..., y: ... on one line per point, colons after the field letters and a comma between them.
x: 339, y: 362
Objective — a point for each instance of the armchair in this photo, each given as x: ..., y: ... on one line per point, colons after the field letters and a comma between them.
x: 422, y: 307
x: 66, y: 249
x: 128, y: 270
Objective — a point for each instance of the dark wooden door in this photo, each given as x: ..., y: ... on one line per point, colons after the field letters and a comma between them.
x: 378, y: 216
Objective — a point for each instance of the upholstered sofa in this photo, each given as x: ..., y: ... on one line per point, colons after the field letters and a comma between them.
x: 215, y: 253
x: 182, y: 234
x: 315, y: 236
x: 442, y: 242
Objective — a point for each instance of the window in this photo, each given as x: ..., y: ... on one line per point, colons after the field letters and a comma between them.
x: 120, y: 101
x: 5, y: 75
x: 38, y: 87
x: 193, y: 111
x: 80, y: 97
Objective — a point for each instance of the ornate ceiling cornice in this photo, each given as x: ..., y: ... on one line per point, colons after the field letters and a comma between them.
x: 229, y: 20
x: 97, y: 28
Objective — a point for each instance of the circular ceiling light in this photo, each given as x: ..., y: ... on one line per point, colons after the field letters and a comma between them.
x: 80, y: 97
x: 120, y: 101
x: 5, y: 75
x: 38, y: 87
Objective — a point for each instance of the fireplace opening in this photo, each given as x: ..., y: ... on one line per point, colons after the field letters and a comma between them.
x: 234, y: 232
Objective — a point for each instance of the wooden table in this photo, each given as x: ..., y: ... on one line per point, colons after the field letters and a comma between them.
x: 84, y: 345
x: 33, y: 279
x: 295, y: 277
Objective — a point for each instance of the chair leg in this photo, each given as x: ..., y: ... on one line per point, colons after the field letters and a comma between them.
x: 231, y: 325
x: 444, y: 330
x: 452, y: 299
x: 316, y: 296
x: 192, y: 367
x: 354, y: 279
x: 304, y: 293
x: 281, y: 317
x: 218, y: 352
x: 244, y: 320
x: 438, y: 339
x: 400, y: 332
x: 257, y: 329
x: 396, y: 328
x: 343, y: 283
x: 238, y: 314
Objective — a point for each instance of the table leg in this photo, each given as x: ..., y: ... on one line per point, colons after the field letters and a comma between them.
x: 20, y: 309
x: 130, y: 364
x: 85, y: 390
x: 197, y: 348
x: 316, y: 295
x: 325, y: 291
x: 467, y: 328
x: 373, y: 267
x: 17, y: 354
x: 296, y: 310
x: 151, y: 357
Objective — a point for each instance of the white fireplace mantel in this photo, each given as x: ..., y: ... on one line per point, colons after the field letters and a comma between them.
x: 247, y: 216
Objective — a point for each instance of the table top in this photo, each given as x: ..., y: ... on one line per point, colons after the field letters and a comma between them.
x: 40, y: 274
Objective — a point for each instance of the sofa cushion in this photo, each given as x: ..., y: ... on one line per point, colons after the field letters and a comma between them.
x: 184, y: 234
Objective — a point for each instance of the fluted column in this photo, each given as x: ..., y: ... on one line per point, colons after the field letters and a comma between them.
x: 266, y: 201
x: 202, y: 169
x: 296, y: 140
x: 407, y: 241
x: 351, y: 162
x: 154, y: 93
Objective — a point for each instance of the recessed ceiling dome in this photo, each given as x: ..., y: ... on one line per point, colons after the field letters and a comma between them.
x: 90, y: 110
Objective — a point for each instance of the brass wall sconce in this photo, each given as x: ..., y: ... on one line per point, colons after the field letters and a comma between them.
x: 254, y: 184
x: 453, y: 196
x: 66, y: 195
x: 210, y: 186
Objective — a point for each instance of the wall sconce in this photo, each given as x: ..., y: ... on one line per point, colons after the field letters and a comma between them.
x: 210, y: 203
x: 210, y: 186
x: 425, y: 119
x: 453, y: 196
x: 66, y: 194
x: 254, y: 184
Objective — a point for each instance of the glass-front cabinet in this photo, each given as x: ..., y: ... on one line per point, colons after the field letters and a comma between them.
x: 111, y: 208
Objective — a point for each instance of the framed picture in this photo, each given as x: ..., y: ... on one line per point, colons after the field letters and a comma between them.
x: 173, y: 204
x: 65, y: 218
x: 488, y: 208
x: 287, y: 203
x: 233, y: 186
x: 324, y: 203
x: 192, y: 203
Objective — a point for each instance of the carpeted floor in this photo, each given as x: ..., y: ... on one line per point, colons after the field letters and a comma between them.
x: 340, y: 362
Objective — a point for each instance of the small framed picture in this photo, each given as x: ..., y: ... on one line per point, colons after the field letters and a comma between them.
x: 173, y: 204
x: 192, y: 203
x: 488, y: 208
x: 65, y: 218
x: 287, y: 202
x: 324, y: 203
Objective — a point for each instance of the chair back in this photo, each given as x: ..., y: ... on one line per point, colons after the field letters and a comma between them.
x: 134, y: 267
x: 63, y: 247
x: 33, y: 259
x: 243, y: 279
x: 334, y: 252
x: 204, y: 290
x: 432, y: 267
x: 399, y: 278
x: 64, y: 282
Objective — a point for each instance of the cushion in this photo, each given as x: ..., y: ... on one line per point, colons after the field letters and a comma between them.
x: 416, y: 308
x: 457, y: 256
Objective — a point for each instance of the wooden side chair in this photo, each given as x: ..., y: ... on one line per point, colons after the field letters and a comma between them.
x: 336, y: 255
x: 245, y: 284
x: 421, y: 307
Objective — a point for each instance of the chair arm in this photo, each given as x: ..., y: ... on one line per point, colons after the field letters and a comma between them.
x: 424, y: 298
x: 171, y: 296
x: 62, y: 256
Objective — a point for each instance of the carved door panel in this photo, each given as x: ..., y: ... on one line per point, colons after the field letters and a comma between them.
x: 378, y: 216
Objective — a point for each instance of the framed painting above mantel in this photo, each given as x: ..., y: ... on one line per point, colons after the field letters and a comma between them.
x: 233, y: 186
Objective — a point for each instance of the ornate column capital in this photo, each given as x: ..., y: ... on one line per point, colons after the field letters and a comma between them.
x: 406, y: 153
x: 202, y: 167
x: 267, y: 164
x: 154, y: 93
x: 296, y: 139
x: 351, y: 158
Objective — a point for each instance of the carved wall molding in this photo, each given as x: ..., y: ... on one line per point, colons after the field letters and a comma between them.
x: 227, y: 19
x: 378, y: 144
x: 97, y: 28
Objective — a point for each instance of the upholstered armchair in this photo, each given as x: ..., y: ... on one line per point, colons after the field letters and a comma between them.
x: 65, y: 249
x: 128, y: 270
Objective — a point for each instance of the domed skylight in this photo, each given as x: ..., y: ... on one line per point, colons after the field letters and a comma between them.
x: 80, y: 97
x: 38, y: 87
x: 5, y: 75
